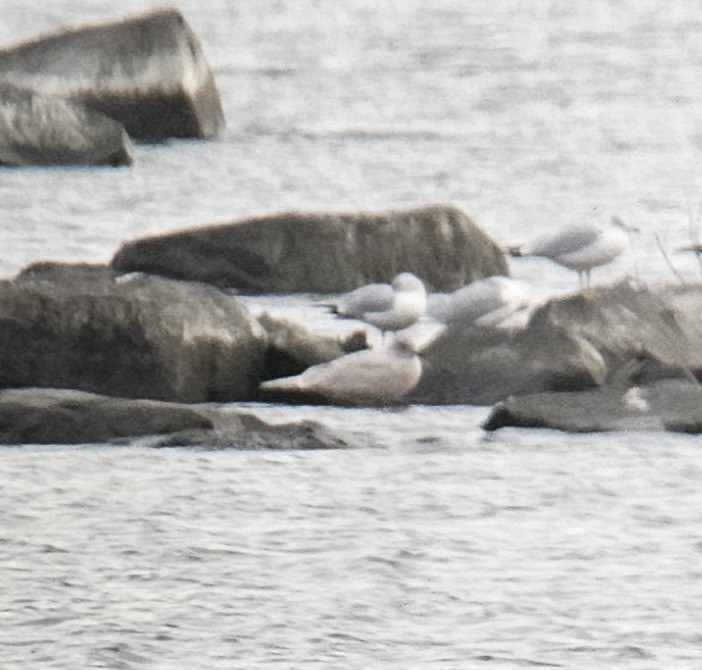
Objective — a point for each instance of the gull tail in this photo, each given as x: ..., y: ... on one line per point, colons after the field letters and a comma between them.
x: 283, y: 385
x: 515, y: 250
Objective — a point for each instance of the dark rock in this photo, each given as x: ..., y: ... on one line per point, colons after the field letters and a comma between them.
x: 147, y: 72
x: 292, y: 348
x: 136, y: 336
x: 51, y: 416
x: 573, y: 343
x: 322, y: 252
x: 237, y: 430
x: 673, y: 404
x: 39, y: 129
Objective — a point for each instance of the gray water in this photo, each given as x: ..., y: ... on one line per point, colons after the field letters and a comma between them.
x: 431, y: 545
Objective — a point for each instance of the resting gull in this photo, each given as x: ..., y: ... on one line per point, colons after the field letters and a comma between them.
x: 581, y: 247
x: 487, y: 302
x: 370, y: 377
x: 387, y: 306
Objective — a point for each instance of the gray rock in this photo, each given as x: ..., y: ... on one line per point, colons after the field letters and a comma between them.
x: 37, y: 129
x: 147, y: 72
x: 64, y: 326
x: 674, y: 404
x: 51, y: 416
x: 322, y: 252
x: 573, y: 343
x: 61, y: 416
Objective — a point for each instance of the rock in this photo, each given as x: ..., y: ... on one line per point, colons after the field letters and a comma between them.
x: 78, y: 327
x: 571, y: 343
x: 322, y: 252
x: 38, y: 129
x: 238, y: 430
x: 61, y: 416
x: 674, y: 404
x: 51, y: 416
x: 292, y: 348
x: 147, y: 72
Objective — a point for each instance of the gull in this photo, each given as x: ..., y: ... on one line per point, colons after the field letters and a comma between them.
x: 486, y: 303
x: 581, y: 247
x: 392, y: 306
x: 381, y: 375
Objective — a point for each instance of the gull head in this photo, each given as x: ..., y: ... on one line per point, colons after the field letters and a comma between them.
x: 407, y: 282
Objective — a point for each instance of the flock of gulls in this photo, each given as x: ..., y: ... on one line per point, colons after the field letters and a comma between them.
x: 385, y: 373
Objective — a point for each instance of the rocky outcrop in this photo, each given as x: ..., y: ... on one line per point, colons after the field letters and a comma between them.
x: 44, y: 130
x: 60, y: 416
x: 573, y: 343
x: 322, y: 252
x: 147, y: 72
x: 79, y: 327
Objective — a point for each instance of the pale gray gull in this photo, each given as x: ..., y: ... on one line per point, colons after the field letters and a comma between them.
x: 387, y: 306
x: 486, y: 302
x: 378, y: 376
x: 581, y: 247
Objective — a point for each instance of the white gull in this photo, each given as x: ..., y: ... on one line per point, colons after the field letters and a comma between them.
x: 387, y: 306
x: 581, y: 247
x: 487, y: 302
x: 381, y: 375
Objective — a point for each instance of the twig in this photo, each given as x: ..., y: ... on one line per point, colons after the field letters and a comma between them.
x: 667, y: 260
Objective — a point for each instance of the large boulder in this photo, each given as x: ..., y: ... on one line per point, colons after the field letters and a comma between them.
x: 80, y: 327
x: 61, y: 416
x: 38, y: 129
x: 147, y: 72
x: 571, y: 343
x: 322, y: 252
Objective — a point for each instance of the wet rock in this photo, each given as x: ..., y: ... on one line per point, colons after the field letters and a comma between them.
x: 146, y: 72
x: 60, y: 416
x: 322, y: 252
x: 572, y: 343
x: 674, y: 404
x: 78, y: 327
x: 238, y: 430
x: 38, y: 129
x: 292, y: 348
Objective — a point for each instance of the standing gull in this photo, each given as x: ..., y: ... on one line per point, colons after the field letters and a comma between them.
x: 581, y: 247
x: 487, y: 302
x: 387, y: 306
x: 370, y: 377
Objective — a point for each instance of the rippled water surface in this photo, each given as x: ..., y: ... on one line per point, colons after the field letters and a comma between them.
x: 430, y: 545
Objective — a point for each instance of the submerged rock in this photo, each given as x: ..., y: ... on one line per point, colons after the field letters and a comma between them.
x: 239, y: 430
x: 322, y: 252
x: 571, y: 343
x: 37, y: 129
x: 147, y: 72
x: 78, y: 327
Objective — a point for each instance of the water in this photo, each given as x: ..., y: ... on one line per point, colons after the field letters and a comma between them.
x: 432, y: 545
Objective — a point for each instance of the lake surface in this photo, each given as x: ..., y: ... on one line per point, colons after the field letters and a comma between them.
x: 431, y: 545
